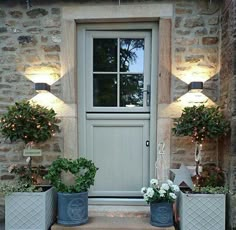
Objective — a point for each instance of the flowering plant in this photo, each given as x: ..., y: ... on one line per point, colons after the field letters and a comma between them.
x: 166, y: 192
x: 27, y: 178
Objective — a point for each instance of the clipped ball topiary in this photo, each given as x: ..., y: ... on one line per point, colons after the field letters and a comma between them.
x: 29, y: 122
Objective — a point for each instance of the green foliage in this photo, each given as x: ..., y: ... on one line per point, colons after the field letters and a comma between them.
x: 19, y: 186
x: 30, y: 123
x: 201, y: 122
x: 84, y: 171
x: 213, y: 190
x: 212, y: 176
x: 28, y: 174
x: 26, y: 179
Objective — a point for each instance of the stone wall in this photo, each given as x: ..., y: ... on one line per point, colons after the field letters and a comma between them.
x: 196, y: 49
x: 228, y: 95
x: 28, y: 39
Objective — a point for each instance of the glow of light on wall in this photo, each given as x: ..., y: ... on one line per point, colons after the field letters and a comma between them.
x: 44, y: 74
x: 190, y: 99
x: 50, y: 101
x: 201, y: 72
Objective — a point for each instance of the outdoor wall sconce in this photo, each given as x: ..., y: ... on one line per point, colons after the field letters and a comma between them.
x: 39, y: 87
x: 195, y: 86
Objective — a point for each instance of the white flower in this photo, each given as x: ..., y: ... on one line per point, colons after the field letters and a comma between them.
x: 169, y: 182
x: 175, y: 188
x: 173, y: 196
x: 154, y: 182
x: 162, y: 192
x: 145, y: 196
x: 165, y: 186
x: 144, y: 190
x: 150, y: 192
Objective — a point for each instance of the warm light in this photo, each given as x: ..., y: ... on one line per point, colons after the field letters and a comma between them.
x: 190, y: 99
x: 51, y: 101
x: 45, y: 74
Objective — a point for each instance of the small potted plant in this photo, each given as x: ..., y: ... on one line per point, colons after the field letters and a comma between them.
x: 72, y: 197
x: 25, y: 199
x: 161, y: 198
x: 27, y: 204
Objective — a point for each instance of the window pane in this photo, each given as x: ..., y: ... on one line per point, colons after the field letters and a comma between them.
x: 131, y: 55
x: 104, y: 90
x: 105, y: 55
x: 131, y: 90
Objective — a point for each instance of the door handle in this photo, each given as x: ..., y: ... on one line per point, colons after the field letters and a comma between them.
x: 148, y: 98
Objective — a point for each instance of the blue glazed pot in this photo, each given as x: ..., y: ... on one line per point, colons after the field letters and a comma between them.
x: 161, y: 214
x: 72, y: 208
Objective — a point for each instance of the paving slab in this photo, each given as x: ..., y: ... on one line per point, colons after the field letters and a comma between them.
x: 113, y: 223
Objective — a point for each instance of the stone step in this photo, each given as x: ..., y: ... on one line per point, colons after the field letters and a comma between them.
x: 119, y: 210
x: 102, y: 217
x: 113, y: 223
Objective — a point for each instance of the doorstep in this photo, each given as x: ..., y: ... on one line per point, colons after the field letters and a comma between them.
x: 115, y: 218
x: 114, y: 223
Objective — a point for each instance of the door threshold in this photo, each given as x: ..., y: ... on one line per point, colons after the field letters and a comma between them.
x: 116, y: 201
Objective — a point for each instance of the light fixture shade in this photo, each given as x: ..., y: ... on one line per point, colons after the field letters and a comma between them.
x: 42, y: 87
x: 195, y: 86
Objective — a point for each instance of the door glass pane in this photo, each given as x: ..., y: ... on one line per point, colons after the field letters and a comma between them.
x: 131, y: 55
x: 105, y: 54
x: 104, y: 90
x: 131, y: 90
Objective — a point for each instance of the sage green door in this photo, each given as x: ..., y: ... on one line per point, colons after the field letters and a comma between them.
x: 117, y: 110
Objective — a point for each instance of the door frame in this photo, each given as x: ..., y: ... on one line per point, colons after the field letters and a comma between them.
x: 81, y: 57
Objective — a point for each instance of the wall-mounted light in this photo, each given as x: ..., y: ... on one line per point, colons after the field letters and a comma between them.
x: 195, y: 86
x: 42, y: 87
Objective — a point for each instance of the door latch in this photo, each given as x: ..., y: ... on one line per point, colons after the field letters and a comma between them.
x: 148, y: 98
x: 147, y: 143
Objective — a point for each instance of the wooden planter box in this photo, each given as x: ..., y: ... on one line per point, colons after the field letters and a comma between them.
x: 30, y: 210
x: 201, y: 211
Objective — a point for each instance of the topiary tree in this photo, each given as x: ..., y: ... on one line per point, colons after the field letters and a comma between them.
x: 29, y: 122
x: 200, y: 123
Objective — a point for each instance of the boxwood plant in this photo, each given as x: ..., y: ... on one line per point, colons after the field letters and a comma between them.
x: 83, y: 169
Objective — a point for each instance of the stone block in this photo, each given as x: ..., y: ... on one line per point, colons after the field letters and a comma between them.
x: 31, y: 23
x: 183, y: 32
x: 194, y: 58
x: 201, y: 32
x: 194, y: 22
x: 35, y: 30
x: 210, y: 40
x: 16, y: 14
x: 26, y: 41
x: 52, y: 48
x: 183, y: 11
x: 36, y: 13
x: 178, y: 21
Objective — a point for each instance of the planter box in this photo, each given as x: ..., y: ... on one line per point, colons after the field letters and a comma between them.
x: 30, y: 210
x: 201, y: 211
